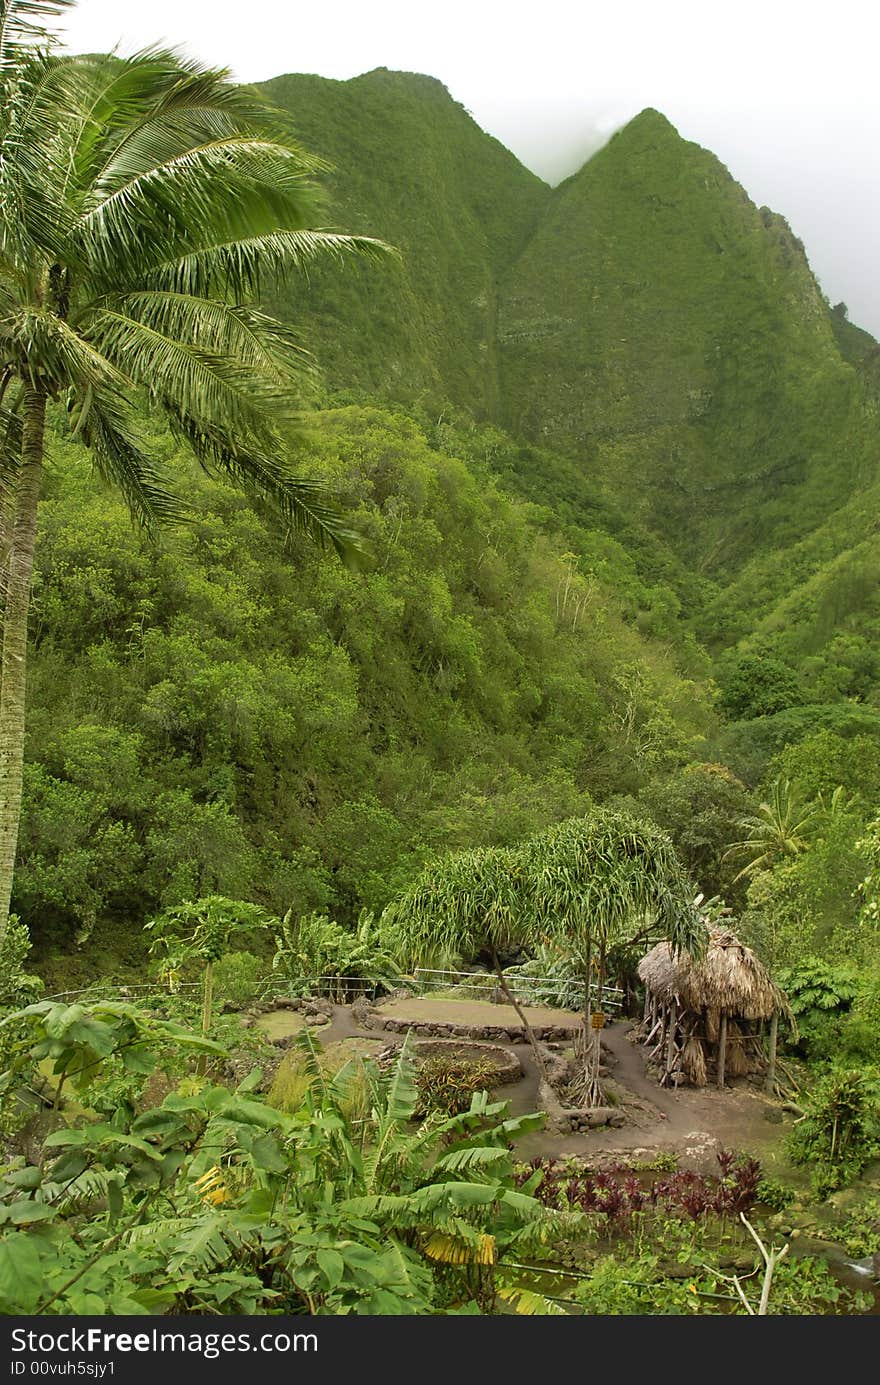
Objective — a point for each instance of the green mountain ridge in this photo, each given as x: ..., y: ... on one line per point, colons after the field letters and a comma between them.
x: 644, y: 323
x: 683, y: 347
x: 414, y: 168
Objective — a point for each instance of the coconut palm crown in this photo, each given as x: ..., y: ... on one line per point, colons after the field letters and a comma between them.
x: 144, y: 204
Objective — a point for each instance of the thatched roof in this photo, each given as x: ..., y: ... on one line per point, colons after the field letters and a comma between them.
x: 729, y: 979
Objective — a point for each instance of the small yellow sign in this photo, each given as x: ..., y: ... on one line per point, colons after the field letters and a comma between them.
x: 597, y: 1020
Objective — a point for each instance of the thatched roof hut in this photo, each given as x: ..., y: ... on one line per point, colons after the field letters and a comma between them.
x: 710, y: 1009
x: 729, y: 978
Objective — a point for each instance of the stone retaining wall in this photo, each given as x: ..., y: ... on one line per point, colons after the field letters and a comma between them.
x: 373, y: 1019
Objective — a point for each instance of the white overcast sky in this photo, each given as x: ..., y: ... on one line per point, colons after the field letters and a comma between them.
x: 785, y: 92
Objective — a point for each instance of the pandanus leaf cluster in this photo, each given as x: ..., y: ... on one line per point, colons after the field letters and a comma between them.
x: 607, y: 877
x: 590, y: 883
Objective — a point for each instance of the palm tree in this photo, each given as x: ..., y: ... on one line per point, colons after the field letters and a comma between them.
x: 143, y: 203
x: 781, y: 827
x: 462, y: 904
x: 602, y: 881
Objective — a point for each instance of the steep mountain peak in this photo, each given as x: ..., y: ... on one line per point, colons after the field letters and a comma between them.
x: 410, y: 165
x: 683, y: 348
x: 418, y: 82
x: 650, y: 148
x: 650, y: 120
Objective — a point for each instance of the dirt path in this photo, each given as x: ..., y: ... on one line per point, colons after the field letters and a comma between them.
x: 693, y: 1123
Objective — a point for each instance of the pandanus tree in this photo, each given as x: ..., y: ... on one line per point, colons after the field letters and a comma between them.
x: 463, y: 904
x: 144, y: 203
x: 602, y: 881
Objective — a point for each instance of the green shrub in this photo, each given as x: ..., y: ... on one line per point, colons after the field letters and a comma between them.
x: 775, y: 1195
x: 237, y: 978
x: 447, y: 1084
x: 860, y: 1033
x: 841, y: 1129
x: 820, y: 996
x: 316, y: 948
x: 860, y: 1233
x: 17, y: 987
x: 341, y: 1064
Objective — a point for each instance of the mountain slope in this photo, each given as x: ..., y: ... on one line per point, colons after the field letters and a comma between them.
x: 671, y: 334
x: 655, y: 342
x: 412, y: 167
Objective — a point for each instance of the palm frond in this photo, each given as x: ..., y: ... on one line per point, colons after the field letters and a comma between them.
x: 216, y: 392
x: 174, y: 101
x: 23, y: 24
x: 304, y: 503
x: 124, y: 460
x: 222, y: 329
x: 63, y: 353
x: 240, y: 268
x: 220, y: 188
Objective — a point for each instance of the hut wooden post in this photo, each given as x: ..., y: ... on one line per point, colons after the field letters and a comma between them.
x: 722, y: 1048
x: 647, y: 1009
x: 770, y: 1079
x: 670, y: 1043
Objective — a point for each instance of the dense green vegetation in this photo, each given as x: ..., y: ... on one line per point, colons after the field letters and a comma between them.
x: 608, y: 461
x: 216, y: 1200
x: 221, y: 711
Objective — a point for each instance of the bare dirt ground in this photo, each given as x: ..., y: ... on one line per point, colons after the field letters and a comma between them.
x: 427, y: 1010
x: 693, y: 1123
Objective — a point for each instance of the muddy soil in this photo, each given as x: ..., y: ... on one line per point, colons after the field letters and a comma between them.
x: 693, y: 1123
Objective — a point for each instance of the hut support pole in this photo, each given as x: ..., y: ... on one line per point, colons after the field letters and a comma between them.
x: 670, y: 1044
x: 722, y: 1049
x: 770, y: 1079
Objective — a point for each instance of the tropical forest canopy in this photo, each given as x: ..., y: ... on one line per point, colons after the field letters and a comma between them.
x: 599, y: 665
x: 615, y: 458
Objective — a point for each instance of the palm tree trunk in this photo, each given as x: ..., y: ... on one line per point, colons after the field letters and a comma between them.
x: 15, y: 618
x: 207, y: 998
